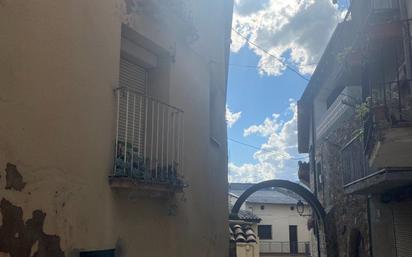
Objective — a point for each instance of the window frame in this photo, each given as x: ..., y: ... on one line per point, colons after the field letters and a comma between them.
x: 265, y: 235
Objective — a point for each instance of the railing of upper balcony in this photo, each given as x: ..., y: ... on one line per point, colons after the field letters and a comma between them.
x: 353, y: 160
x: 390, y: 104
x: 270, y: 246
x: 149, y: 139
x: 362, y: 11
x: 392, y: 101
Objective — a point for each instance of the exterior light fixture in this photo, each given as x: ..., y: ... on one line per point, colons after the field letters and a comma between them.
x: 300, y: 207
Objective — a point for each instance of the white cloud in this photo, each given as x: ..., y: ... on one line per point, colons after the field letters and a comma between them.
x: 294, y: 29
x: 250, y: 173
x: 232, y: 117
x: 276, y: 156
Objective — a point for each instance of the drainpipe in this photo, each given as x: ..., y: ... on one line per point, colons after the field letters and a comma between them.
x: 406, y: 38
x: 368, y: 210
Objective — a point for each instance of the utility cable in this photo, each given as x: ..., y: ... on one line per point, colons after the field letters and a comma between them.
x: 260, y: 149
x: 268, y: 53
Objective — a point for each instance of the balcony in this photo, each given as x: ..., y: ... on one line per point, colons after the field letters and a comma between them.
x: 375, y: 22
x: 149, y: 144
x: 278, y: 247
x: 339, y: 110
x: 388, y: 127
x: 360, y: 178
x: 374, y: 11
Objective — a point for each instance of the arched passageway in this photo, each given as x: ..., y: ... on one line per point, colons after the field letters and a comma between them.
x: 307, y: 195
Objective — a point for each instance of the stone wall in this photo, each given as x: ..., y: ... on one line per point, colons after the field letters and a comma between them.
x: 346, y: 214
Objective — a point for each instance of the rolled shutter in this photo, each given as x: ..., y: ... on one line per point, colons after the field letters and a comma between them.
x: 402, y: 216
x: 132, y: 105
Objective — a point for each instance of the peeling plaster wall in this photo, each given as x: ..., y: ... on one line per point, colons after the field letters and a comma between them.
x: 58, y: 68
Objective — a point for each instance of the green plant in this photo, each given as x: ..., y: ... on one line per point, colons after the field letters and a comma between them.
x: 341, y: 56
x: 363, y: 109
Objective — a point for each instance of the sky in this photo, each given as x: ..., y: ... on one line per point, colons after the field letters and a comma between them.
x: 263, y: 88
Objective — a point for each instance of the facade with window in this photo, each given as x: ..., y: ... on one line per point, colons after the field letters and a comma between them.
x: 113, y: 134
x: 282, y: 230
x: 354, y: 120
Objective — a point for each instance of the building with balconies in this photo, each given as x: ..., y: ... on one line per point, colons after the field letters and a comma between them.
x: 354, y: 120
x: 113, y: 133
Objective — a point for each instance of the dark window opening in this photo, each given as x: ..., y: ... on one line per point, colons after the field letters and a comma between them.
x: 292, y: 208
x: 99, y: 253
x: 262, y: 207
x: 319, y: 172
x: 265, y: 232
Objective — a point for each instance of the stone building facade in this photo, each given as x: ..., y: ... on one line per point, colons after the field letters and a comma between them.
x: 354, y: 121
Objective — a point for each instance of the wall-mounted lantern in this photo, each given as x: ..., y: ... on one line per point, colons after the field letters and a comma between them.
x: 300, y: 207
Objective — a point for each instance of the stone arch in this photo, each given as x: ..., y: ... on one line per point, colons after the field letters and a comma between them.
x: 302, y: 191
x: 307, y: 195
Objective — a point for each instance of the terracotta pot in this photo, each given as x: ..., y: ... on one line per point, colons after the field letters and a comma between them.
x: 379, y: 112
x: 385, y: 31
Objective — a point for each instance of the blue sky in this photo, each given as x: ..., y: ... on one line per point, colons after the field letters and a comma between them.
x: 261, y: 103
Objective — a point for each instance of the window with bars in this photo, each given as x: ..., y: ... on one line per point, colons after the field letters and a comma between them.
x: 132, y: 107
x: 265, y: 232
x: 148, y: 130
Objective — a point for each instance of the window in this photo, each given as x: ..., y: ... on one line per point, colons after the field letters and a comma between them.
x: 292, y: 208
x: 319, y: 172
x: 149, y: 131
x: 133, y: 78
x: 101, y: 253
x: 265, y: 232
x: 262, y: 207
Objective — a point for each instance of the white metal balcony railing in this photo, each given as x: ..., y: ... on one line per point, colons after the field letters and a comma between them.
x: 149, y: 139
x: 339, y: 109
x: 269, y: 246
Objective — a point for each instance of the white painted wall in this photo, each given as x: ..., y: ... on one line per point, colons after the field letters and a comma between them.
x: 280, y: 216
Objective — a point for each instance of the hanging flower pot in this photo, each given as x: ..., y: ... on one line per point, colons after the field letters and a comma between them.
x: 379, y: 112
x: 385, y: 31
x: 354, y: 58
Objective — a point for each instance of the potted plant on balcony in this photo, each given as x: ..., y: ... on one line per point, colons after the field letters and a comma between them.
x: 371, y: 107
x: 351, y: 57
x: 385, y: 31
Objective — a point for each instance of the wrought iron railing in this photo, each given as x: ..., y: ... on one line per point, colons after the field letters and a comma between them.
x: 373, y: 11
x: 270, y: 246
x: 149, y: 139
x: 390, y: 102
x: 353, y: 160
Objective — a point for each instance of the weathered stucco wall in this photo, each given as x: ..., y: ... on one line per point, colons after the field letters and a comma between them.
x: 59, y: 65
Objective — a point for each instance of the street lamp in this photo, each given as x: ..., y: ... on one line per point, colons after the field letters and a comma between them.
x: 300, y: 207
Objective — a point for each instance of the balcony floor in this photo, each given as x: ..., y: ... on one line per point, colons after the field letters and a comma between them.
x: 380, y: 181
x: 156, y: 190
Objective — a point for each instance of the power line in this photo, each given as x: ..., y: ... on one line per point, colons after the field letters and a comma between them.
x: 268, y: 53
x: 260, y: 149
x: 244, y: 65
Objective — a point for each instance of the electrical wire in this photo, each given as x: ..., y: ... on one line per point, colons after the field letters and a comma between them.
x: 268, y: 53
x: 260, y: 149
